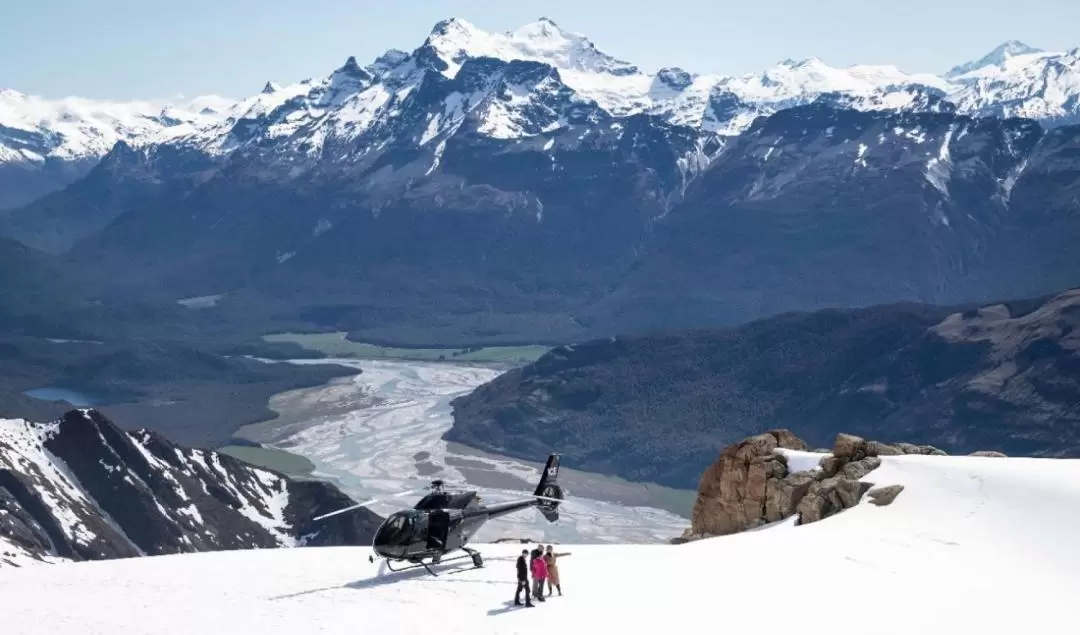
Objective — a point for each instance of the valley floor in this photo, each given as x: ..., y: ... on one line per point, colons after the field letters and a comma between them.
x: 972, y: 545
x: 380, y: 433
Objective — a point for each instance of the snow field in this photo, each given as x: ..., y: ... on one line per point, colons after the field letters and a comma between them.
x: 972, y: 545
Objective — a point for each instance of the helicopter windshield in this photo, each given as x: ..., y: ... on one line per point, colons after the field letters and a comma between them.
x: 400, y: 528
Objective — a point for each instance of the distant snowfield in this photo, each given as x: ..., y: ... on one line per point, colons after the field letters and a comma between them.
x: 395, y: 445
x: 972, y: 545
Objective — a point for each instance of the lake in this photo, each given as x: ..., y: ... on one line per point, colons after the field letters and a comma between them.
x: 73, y: 397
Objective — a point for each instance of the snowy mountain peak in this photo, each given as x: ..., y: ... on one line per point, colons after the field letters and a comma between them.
x: 75, y: 129
x: 455, y: 40
x: 387, y: 61
x: 996, y: 57
x: 1021, y: 82
x: 675, y: 77
x: 270, y: 88
x: 352, y: 68
x: 805, y: 63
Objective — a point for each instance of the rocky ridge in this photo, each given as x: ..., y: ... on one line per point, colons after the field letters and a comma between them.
x: 755, y: 482
x: 657, y: 407
x: 80, y: 488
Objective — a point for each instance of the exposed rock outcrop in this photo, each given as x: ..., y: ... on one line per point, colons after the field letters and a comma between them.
x: 884, y: 495
x: 732, y: 494
x: 752, y: 483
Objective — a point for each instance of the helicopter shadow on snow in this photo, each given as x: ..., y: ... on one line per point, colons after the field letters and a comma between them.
x: 384, y: 577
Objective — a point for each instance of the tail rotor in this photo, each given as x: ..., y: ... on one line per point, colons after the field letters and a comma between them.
x: 549, y: 493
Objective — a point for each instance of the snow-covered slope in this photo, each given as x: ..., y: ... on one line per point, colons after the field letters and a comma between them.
x: 1019, y: 81
x: 80, y: 488
x: 47, y: 143
x: 33, y: 129
x: 971, y: 545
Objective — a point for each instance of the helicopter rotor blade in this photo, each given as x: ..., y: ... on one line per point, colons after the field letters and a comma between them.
x: 368, y: 502
x: 346, y: 509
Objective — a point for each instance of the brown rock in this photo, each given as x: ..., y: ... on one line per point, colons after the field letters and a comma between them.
x: 731, y: 496
x: 884, y: 495
x: 776, y: 466
x: 750, y: 485
x: 877, y: 448
x: 989, y: 453
x: 812, y: 508
x: 931, y: 450
x: 858, y: 469
x: 754, y: 496
x: 787, y: 439
x: 829, y: 497
x: 849, y: 446
x: 782, y: 496
x: 908, y: 448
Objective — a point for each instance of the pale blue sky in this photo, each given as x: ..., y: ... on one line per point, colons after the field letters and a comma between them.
x: 127, y: 49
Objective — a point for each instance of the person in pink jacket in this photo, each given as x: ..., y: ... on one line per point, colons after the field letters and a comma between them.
x: 539, y: 573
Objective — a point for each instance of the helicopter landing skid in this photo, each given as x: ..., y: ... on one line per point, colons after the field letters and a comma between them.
x: 477, y: 561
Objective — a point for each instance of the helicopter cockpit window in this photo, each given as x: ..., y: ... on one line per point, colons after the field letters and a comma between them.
x: 419, y: 527
x: 396, y: 530
x: 403, y: 527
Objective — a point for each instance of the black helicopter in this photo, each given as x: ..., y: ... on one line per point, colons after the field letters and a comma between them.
x: 443, y: 521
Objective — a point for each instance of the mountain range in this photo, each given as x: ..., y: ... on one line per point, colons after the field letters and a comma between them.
x: 1014, y: 80
x: 80, y: 488
x: 527, y: 186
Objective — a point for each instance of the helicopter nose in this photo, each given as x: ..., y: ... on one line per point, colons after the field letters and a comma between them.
x: 389, y: 551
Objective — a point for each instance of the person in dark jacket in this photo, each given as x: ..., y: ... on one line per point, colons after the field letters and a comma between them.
x: 522, y: 579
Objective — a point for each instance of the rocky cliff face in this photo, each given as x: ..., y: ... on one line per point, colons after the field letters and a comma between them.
x: 756, y: 482
x: 80, y: 488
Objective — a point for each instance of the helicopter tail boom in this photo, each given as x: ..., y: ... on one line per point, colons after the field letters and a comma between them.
x: 549, y: 493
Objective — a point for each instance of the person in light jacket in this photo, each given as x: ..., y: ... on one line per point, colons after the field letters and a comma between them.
x: 551, y: 559
x: 539, y: 572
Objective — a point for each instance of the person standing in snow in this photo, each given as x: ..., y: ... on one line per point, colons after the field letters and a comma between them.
x: 522, y: 580
x: 551, y: 560
x: 539, y: 572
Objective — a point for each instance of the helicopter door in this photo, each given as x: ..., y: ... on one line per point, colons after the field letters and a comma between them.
x: 438, y: 529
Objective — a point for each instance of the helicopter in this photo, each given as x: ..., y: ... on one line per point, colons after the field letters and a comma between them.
x: 443, y: 521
